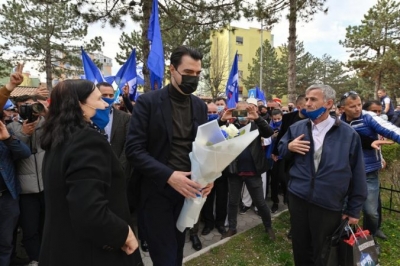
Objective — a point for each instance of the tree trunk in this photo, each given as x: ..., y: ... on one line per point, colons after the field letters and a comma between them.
x: 146, y: 9
x: 48, y: 66
x: 378, y: 82
x: 49, y: 76
x: 292, y: 51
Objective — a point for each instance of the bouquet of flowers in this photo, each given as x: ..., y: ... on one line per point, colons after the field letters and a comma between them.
x: 213, y: 150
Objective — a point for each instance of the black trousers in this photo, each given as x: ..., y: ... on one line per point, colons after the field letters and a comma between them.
x: 219, y: 193
x: 159, y: 213
x: 277, y: 178
x: 311, y: 225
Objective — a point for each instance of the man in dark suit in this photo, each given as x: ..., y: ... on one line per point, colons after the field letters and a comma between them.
x: 162, y: 128
x: 117, y: 128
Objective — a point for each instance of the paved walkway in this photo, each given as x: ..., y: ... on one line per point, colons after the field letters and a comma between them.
x: 245, y: 222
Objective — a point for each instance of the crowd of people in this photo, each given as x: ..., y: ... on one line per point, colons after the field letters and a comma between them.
x: 76, y: 166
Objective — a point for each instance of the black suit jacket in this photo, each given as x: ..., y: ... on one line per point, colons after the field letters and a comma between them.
x: 287, y: 120
x: 148, y: 143
x: 87, y: 213
x: 119, y: 130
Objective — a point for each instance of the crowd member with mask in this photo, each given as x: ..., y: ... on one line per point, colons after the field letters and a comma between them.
x: 87, y: 214
x: 277, y: 178
x: 162, y: 129
x: 219, y: 193
x: 250, y: 164
x: 221, y: 105
x: 263, y: 110
x: 114, y: 122
x: 321, y: 176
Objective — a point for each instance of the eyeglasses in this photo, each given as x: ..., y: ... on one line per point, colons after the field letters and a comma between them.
x: 347, y: 94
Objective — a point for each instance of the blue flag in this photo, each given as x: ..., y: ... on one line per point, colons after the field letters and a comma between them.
x: 155, y: 62
x: 260, y: 95
x: 232, y: 86
x: 92, y: 72
x: 127, y: 74
x: 8, y: 105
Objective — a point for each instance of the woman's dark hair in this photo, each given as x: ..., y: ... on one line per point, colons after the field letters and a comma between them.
x: 368, y: 104
x: 179, y: 52
x: 65, y: 113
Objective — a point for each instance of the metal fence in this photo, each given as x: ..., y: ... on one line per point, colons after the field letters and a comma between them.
x: 393, y: 197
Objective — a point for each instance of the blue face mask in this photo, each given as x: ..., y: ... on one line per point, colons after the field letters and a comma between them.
x: 314, y: 115
x: 102, y: 117
x: 277, y: 124
x: 220, y: 108
x: 242, y: 120
x: 212, y: 117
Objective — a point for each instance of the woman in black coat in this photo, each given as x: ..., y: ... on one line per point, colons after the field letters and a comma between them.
x: 87, y: 215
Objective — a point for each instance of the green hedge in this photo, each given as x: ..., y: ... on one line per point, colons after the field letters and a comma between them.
x: 391, y: 153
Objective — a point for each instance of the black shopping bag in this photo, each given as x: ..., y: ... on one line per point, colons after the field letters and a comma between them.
x: 358, y: 250
x: 330, y: 248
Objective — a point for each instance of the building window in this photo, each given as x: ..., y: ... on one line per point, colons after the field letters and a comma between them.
x: 240, y: 74
x: 240, y: 57
x: 239, y: 40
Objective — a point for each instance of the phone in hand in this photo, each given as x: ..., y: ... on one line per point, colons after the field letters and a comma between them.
x: 239, y: 113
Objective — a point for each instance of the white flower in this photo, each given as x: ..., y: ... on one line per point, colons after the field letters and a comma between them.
x: 231, y: 130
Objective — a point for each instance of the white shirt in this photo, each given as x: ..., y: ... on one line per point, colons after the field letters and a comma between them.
x: 107, y: 129
x: 319, y: 131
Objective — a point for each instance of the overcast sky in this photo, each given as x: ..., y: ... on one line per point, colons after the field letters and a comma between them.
x: 320, y: 36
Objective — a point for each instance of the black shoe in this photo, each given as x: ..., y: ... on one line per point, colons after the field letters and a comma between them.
x: 380, y: 234
x: 206, y: 230
x: 274, y: 208
x: 289, y: 234
x: 221, y: 229
x: 196, y: 244
x: 144, y: 246
x: 271, y: 233
x: 229, y: 233
x: 243, y: 209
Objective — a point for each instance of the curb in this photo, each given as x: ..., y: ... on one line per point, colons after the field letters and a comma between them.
x: 223, y: 241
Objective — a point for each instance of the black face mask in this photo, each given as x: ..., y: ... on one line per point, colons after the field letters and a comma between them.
x: 290, y: 108
x: 189, y: 83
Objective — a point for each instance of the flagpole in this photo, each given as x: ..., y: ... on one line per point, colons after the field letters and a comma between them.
x: 261, y: 55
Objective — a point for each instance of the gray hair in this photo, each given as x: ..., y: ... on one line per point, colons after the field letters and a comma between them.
x: 328, y: 92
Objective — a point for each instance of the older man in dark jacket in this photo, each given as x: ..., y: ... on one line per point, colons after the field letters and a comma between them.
x: 327, y: 168
x: 250, y: 165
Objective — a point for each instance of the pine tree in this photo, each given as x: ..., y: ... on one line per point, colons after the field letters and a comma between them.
x: 374, y: 45
x: 44, y: 32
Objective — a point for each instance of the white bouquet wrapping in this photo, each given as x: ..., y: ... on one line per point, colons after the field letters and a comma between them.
x: 211, y: 154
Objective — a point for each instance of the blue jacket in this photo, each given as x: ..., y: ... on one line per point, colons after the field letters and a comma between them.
x: 11, y: 150
x: 370, y: 125
x: 340, y: 172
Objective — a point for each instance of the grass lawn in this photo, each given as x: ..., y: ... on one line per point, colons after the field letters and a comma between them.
x: 253, y: 247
